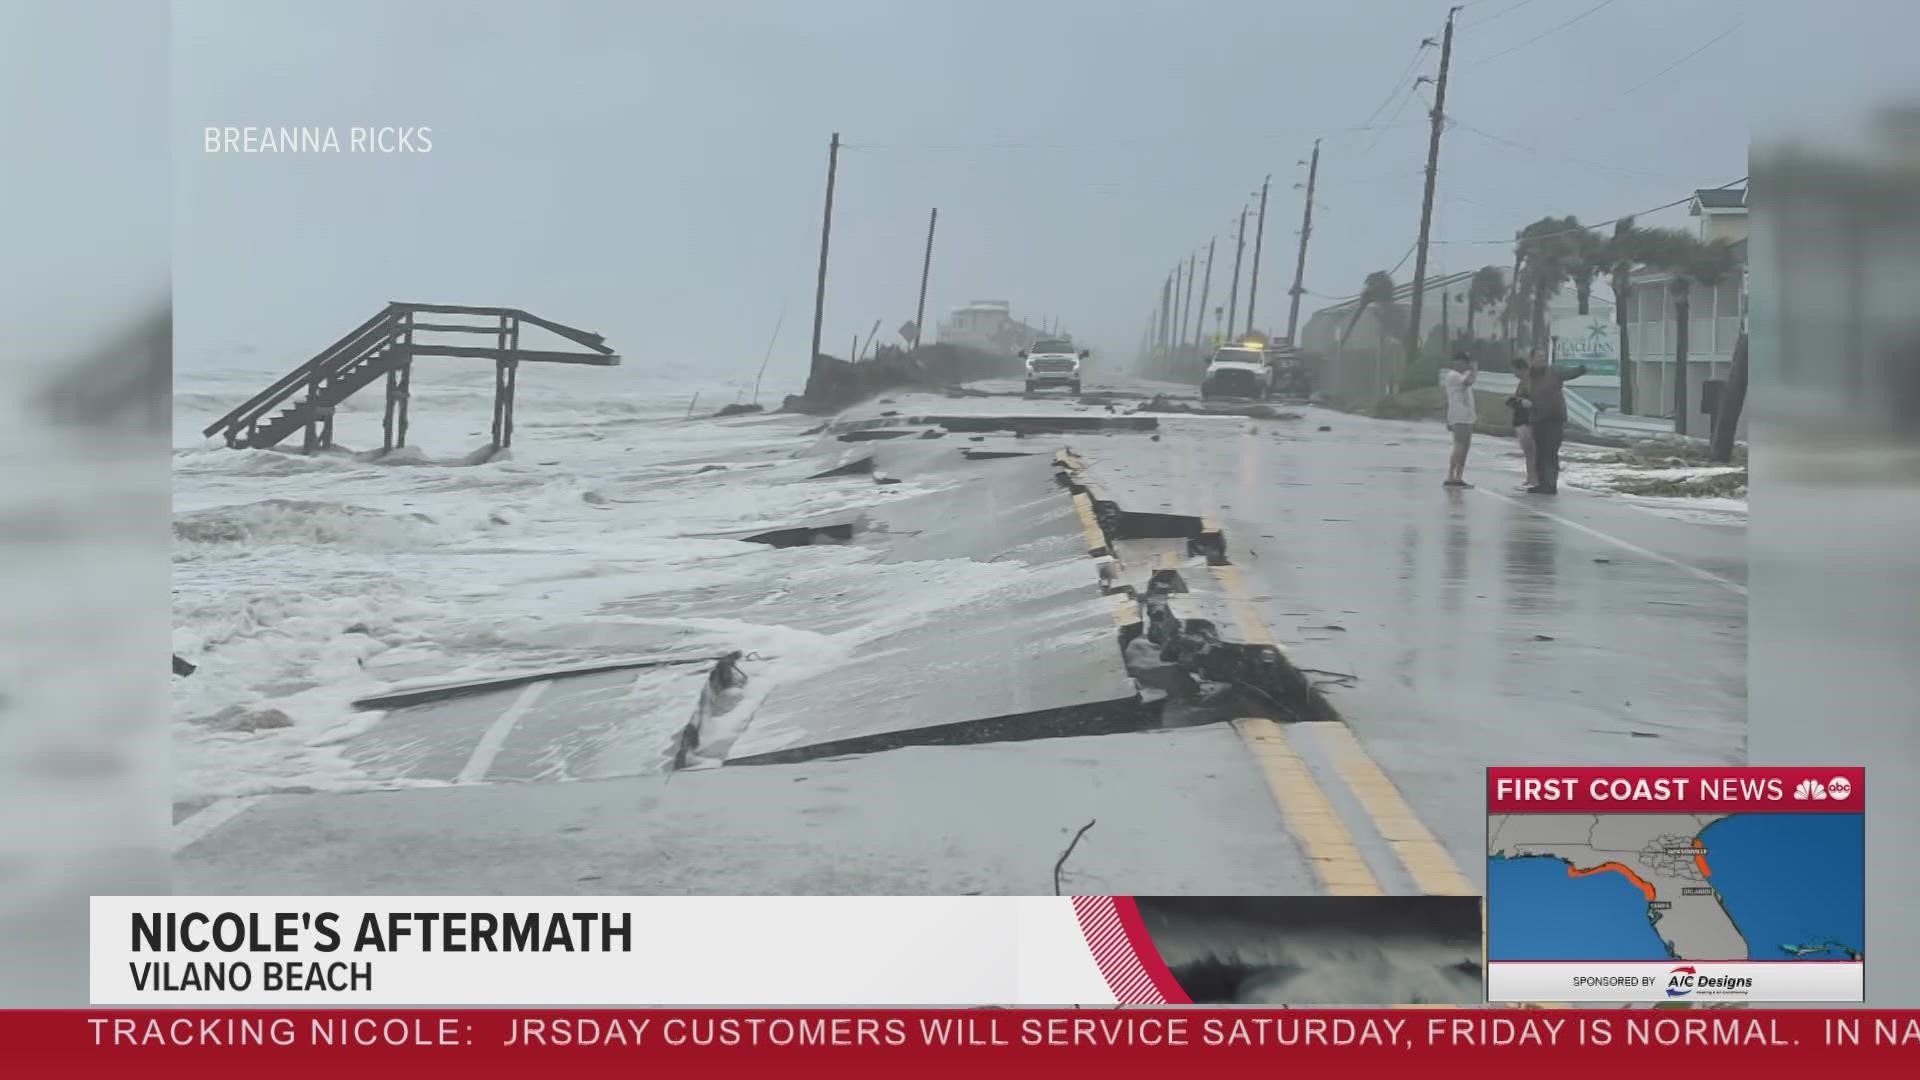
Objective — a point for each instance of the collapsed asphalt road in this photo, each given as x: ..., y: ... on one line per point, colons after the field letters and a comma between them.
x: 1334, y: 648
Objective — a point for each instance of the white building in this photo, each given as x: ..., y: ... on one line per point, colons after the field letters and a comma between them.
x: 988, y: 325
x: 1714, y: 323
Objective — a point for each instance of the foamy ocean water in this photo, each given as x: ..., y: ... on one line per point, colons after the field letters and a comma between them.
x: 302, y: 583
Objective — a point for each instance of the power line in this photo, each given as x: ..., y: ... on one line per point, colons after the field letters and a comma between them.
x: 1711, y: 42
x: 1562, y: 232
x: 1078, y: 145
x: 1508, y: 10
x: 1404, y: 258
x: 1412, y: 91
x: 1603, y: 224
x: 1547, y: 33
x: 1418, y: 52
x: 1571, y: 158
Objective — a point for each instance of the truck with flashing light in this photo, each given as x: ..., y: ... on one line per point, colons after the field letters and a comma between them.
x: 1238, y: 370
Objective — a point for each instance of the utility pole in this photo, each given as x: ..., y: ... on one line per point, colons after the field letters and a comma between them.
x: 1206, y: 284
x: 1166, y: 333
x: 1259, y: 233
x: 1233, y: 299
x: 1300, y: 264
x: 926, y: 267
x: 1186, y: 306
x: 1426, y: 203
x: 820, y: 287
x: 1173, y: 311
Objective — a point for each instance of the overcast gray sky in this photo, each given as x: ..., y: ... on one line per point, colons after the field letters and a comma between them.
x: 654, y: 171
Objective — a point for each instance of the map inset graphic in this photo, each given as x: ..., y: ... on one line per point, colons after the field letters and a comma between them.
x: 1675, y: 886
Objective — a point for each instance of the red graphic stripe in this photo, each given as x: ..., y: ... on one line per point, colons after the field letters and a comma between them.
x: 1148, y: 953
x: 1125, y: 953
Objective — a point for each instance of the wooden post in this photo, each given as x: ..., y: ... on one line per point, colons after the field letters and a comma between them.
x: 513, y: 383
x: 926, y: 268
x: 1300, y: 261
x: 393, y: 388
x: 820, y: 286
x: 1186, y: 306
x: 1233, y: 297
x: 406, y: 380
x: 386, y: 419
x: 1206, y: 286
x: 310, y: 440
x: 500, y: 385
x: 1439, y: 122
x: 1259, y: 234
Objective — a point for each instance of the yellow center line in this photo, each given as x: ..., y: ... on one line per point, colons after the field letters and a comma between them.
x: 1089, y: 524
x: 1253, y: 629
x: 1307, y: 811
x: 1428, y: 863
x: 1433, y: 871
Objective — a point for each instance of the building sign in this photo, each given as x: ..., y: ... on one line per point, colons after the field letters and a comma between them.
x: 1587, y: 340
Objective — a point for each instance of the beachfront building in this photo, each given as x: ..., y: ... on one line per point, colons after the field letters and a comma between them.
x: 1713, y: 326
x: 988, y: 325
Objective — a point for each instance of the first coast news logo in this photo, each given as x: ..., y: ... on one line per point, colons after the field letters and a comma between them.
x: 387, y: 139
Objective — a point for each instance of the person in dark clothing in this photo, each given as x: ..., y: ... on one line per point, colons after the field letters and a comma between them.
x: 1522, y: 417
x: 1543, y: 389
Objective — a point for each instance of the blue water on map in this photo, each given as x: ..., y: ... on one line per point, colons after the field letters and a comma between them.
x: 1537, y: 911
x: 1792, y: 880
x: 1792, y: 883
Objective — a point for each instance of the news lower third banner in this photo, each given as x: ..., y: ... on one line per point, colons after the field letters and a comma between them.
x: 1713, y: 886
x: 370, y: 951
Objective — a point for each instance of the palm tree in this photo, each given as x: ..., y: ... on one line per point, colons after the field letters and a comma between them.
x: 1488, y: 286
x: 1688, y: 261
x: 1587, y: 259
x: 1378, y: 290
x: 1732, y: 400
x: 1547, y: 248
x: 1621, y: 254
x: 1509, y: 315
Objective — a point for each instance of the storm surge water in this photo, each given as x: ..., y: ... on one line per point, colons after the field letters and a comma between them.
x: 1319, y: 950
x: 607, y: 533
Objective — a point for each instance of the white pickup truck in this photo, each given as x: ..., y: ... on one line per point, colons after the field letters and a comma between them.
x: 1053, y: 362
x: 1240, y: 371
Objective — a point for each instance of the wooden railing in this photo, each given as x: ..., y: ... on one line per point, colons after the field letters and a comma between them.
x: 343, y: 353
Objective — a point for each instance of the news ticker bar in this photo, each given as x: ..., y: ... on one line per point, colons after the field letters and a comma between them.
x: 1814, y: 981
x: 1125, y: 1042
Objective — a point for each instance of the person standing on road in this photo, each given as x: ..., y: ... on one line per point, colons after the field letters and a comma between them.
x: 1544, y: 389
x: 1457, y: 382
x: 1523, y: 421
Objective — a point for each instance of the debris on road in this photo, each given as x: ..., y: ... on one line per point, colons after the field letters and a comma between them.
x: 1062, y: 861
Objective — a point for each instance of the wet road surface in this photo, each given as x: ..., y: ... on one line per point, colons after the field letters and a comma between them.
x: 1478, y: 627
x: 1449, y: 629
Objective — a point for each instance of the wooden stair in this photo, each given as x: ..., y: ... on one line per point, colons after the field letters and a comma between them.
x: 386, y: 345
